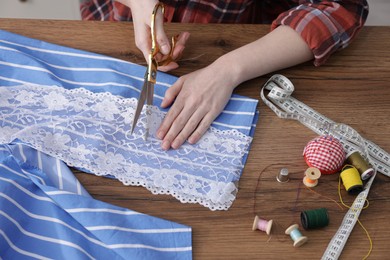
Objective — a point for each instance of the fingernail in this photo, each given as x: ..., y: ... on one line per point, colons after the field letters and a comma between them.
x: 165, y: 49
x: 163, y: 103
x: 166, y: 145
x: 160, y: 134
x: 192, y: 140
x: 186, y: 36
x: 175, y: 145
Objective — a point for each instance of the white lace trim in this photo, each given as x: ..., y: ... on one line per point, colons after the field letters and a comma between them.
x: 91, y: 131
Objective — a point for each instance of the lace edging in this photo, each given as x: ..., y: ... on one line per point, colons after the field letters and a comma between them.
x: 91, y: 131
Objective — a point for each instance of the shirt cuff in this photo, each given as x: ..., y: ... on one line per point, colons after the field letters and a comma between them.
x: 325, y: 27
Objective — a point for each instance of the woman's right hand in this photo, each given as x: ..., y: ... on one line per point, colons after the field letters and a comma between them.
x: 141, y: 11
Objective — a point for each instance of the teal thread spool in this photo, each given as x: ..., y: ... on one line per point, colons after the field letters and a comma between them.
x: 315, y: 218
x: 295, y: 235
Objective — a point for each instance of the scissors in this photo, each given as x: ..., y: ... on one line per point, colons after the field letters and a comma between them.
x: 151, y: 73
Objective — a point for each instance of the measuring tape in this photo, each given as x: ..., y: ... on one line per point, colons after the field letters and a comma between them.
x: 280, y: 101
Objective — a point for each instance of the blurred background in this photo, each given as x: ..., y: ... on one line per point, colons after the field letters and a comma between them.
x: 69, y: 10
x: 40, y: 9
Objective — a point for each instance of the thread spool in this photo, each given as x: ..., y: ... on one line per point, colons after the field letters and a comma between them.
x: 351, y: 179
x: 356, y: 159
x: 312, y: 175
x: 296, y: 235
x: 283, y: 175
x: 262, y: 224
x: 315, y: 218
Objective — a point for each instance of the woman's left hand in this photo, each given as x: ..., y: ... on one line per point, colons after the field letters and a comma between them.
x: 197, y: 99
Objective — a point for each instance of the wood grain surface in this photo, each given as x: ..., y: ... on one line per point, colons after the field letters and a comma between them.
x: 353, y: 87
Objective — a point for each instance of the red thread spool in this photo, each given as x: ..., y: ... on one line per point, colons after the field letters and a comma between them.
x: 325, y: 153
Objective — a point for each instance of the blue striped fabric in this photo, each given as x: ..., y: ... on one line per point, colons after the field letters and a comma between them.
x: 25, y: 60
x: 196, y: 174
x: 46, y: 214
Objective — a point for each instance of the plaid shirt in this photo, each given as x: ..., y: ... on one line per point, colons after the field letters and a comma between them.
x: 326, y: 26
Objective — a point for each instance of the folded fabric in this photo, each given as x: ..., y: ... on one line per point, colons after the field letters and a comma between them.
x: 46, y: 214
x: 78, y: 107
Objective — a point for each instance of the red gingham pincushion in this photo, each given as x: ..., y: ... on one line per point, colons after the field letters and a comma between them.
x: 324, y: 153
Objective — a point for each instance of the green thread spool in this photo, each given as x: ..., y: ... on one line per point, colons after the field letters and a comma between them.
x: 315, y: 218
x: 364, y: 168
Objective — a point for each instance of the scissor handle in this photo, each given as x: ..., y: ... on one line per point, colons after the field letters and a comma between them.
x: 155, y: 48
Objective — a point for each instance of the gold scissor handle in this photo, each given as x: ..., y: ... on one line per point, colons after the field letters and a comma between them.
x: 155, y: 49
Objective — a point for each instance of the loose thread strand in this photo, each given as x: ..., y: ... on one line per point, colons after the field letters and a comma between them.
x: 337, y: 203
x: 296, y: 200
x: 258, y: 185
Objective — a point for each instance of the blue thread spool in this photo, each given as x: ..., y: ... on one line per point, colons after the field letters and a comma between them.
x: 295, y: 235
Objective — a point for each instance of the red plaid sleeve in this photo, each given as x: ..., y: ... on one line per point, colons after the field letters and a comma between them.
x: 189, y: 11
x: 104, y: 10
x: 326, y: 26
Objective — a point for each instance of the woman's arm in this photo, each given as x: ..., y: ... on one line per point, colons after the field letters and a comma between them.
x: 199, y: 97
x: 310, y: 30
x: 326, y: 26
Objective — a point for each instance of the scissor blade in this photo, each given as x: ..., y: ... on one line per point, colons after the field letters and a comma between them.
x: 140, y: 104
x: 150, y: 93
x: 149, y: 102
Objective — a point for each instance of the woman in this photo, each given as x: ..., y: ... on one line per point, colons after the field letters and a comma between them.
x: 300, y: 31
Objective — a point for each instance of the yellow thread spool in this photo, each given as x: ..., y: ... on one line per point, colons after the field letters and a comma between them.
x: 312, y: 175
x: 356, y: 159
x: 351, y: 179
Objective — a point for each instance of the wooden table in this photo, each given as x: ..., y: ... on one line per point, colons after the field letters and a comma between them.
x: 351, y: 88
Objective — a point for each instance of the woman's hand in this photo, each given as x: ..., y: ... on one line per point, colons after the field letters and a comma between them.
x: 198, y: 98
x: 141, y: 13
x: 177, y: 52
